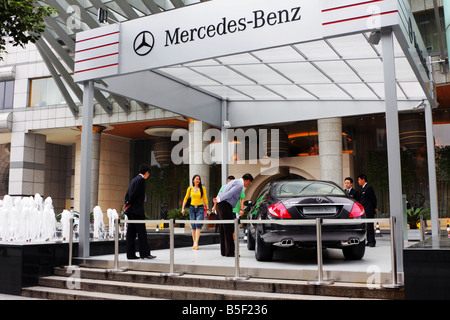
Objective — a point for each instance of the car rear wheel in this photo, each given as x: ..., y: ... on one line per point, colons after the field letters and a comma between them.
x: 263, y: 251
x: 355, y: 252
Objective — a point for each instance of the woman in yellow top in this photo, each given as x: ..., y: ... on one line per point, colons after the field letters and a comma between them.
x: 199, y: 202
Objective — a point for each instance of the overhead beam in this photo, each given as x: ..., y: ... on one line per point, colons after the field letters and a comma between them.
x: 164, y: 93
x: 86, y: 17
x: 177, y: 3
x: 62, y: 88
x: 68, y: 41
x: 61, y: 69
x: 152, y: 6
x: 254, y: 113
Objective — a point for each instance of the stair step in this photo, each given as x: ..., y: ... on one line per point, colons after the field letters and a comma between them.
x: 172, y: 292
x: 339, y: 289
x: 95, y: 283
x: 51, y: 293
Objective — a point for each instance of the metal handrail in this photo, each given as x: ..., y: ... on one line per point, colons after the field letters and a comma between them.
x: 318, y: 222
x: 70, y: 241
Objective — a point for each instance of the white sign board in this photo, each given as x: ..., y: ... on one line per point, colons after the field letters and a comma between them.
x: 221, y: 27
x: 216, y: 28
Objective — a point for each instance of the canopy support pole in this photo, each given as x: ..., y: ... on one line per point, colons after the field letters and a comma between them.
x: 393, y: 141
x: 86, y: 168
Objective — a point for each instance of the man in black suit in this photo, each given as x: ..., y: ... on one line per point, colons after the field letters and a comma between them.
x: 134, y: 209
x: 369, y: 201
x: 352, y: 192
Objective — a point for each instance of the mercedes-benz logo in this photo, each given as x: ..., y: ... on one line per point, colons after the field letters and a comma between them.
x: 143, y: 43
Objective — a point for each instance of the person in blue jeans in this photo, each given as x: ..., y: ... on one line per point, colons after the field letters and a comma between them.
x: 199, y: 202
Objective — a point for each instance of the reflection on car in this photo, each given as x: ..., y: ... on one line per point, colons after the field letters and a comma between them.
x: 304, y: 199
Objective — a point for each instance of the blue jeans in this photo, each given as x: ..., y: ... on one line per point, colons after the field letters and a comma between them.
x: 196, y: 214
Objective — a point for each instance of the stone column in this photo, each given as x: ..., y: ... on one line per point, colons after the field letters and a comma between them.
x: 96, y: 138
x: 27, y: 164
x: 197, y: 163
x: 330, y: 149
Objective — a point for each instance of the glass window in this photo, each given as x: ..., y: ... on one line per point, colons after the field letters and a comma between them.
x: 426, y: 23
x: 6, y: 94
x: 307, y: 188
x: 9, y: 95
x: 2, y: 94
x: 45, y: 92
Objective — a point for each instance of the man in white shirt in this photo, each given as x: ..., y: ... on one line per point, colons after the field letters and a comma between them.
x: 225, y: 202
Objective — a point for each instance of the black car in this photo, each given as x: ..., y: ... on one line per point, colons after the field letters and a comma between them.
x: 305, y: 199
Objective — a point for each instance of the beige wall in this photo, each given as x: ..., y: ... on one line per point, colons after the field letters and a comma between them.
x: 114, y: 175
x: 114, y: 172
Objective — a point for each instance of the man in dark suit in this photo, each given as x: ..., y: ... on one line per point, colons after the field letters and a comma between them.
x: 134, y: 209
x: 369, y: 201
x: 352, y: 192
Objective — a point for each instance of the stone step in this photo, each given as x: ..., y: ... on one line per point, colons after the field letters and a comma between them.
x: 51, y: 293
x: 128, y: 290
x: 338, y: 289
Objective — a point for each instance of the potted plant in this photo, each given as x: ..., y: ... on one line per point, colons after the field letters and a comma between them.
x: 177, y: 215
x: 413, y: 215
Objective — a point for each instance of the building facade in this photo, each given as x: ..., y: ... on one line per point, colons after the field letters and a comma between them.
x: 40, y: 129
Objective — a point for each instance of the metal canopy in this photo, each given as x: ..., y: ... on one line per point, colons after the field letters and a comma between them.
x: 346, y: 69
x: 307, y: 80
x: 325, y: 78
x: 337, y: 69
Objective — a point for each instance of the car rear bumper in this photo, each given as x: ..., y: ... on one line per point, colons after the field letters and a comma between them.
x: 332, y: 236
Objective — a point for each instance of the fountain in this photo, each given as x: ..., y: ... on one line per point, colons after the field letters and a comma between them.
x: 99, y: 225
x: 65, y: 223
x: 27, y: 219
x: 31, y: 219
x: 112, y: 215
x: 32, y: 242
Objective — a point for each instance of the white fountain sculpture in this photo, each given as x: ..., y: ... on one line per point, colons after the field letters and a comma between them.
x: 27, y: 219
x: 112, y: 215
x: 48, y: 226
x: 31, y: 219
x: 65, y: 222
x: 99, y: 225
x: 5, y: 218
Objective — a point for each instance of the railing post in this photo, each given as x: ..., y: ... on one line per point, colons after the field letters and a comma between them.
x: 395, y: 283
x: 320, y: 280
x: 422, y: 229
x: 70, y: 241
x: 116, y: 249
x: 172, y: 250
x: 116, y: 243
x: 237, y: 271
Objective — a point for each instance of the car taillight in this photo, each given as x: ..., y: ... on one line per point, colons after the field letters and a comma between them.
x: 357, y: 210
x: 279, y: 210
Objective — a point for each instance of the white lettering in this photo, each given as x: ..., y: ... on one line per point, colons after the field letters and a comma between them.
x: 193, y: 310
x: 226, y: 26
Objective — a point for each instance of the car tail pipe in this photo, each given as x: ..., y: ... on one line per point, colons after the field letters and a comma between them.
x: 350, y: 242
x: 285, y: 243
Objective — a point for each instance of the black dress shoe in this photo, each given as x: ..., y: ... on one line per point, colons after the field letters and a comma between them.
x: 149, y: 257
x: 368, y: 244
x: 132, y: 258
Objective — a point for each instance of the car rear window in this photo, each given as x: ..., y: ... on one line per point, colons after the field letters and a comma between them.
x: 306, y: 188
